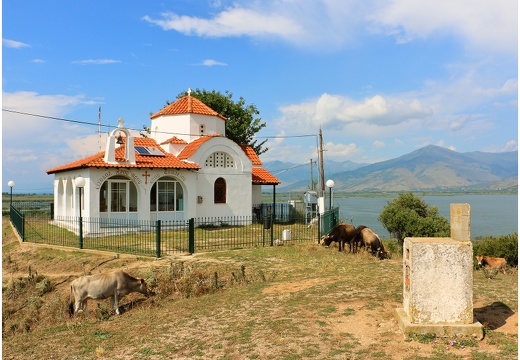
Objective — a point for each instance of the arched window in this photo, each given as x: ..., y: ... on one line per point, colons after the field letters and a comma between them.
x: 118, y: 194
x: 219, y: 191
x: 167, y: 195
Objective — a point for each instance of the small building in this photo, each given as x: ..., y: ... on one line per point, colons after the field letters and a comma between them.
x: 187, y: 168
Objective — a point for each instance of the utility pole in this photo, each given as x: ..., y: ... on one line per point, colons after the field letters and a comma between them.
x: 99, y: 128
x: 312, y: 185
x: 322, y: 175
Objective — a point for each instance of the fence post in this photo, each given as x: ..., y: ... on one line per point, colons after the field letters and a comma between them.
x: 319, y: 228
x: 81, y: 232
x: 23, y: 228
x: 272, y: 228
x: 158, y: 238
x: 191, y: 236
x: 52, y: 211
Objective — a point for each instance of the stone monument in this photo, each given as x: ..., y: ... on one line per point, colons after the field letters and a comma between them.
x: 438, y: 282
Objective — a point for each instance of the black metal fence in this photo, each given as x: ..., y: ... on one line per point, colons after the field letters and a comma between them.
x: 163, y: 238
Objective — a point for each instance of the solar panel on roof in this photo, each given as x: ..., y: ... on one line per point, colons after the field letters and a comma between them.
x: 148, y: 151
x: 141, y: 150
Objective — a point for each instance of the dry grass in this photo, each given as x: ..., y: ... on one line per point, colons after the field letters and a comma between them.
x: 284, y: 302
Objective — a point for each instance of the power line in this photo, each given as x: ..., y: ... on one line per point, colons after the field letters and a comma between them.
x: 98, y: 124
x: 291, y: 167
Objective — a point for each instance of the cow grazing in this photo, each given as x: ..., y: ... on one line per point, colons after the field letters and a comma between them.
x: 112, y: 285
x: 492, y: 263
x: 371, y: 241
x: 342, y: 233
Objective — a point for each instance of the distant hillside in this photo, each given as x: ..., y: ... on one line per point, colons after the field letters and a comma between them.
x: 431, y: 168
x: 291, y: 173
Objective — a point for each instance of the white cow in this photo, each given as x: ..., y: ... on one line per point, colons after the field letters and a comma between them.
x: 112, y: 285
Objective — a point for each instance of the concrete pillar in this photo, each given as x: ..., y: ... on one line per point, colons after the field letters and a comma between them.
x: 438, y: 282
x: 460, y: 222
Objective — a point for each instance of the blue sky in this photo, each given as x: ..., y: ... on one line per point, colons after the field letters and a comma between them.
x: 381, y: 78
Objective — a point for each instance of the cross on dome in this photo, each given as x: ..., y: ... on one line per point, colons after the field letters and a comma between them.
x: 189, y: 91
x: 120, y: 121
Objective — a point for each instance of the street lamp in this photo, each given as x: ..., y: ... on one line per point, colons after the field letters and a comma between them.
x: 11, y: 185
x: 80, y: 183
x: 330, y: 185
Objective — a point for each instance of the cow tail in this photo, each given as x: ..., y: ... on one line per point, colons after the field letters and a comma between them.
x: 71, y: 304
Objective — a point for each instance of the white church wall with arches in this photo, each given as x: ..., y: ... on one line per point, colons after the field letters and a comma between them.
x: 185, y: 169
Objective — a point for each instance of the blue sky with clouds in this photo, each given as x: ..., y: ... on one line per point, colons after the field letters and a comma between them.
x: 381, y: 78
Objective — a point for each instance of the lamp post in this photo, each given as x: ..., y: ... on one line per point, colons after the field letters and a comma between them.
x: 80, y: 183
x: 11, y: 185
x: 330, y: 185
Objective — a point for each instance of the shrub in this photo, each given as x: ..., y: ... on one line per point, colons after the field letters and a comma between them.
x: 409, y: 215
x: 502, y: 246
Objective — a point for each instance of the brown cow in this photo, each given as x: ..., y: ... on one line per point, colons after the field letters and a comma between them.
x: 366, y: 237
x: 112, y: 285
x: 342, y: 233
x: 492, y: 263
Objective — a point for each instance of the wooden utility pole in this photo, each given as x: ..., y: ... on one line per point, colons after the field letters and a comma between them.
x: 322, y: 175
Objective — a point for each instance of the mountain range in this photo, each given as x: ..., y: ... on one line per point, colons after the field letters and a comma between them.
x: 431, y: 168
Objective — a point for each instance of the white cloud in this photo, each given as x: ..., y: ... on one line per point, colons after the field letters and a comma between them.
x: 327, y: 24
x: 18, y: 155
x: 459, y: 122
x: 479, y: 23
x: 341, y: 151
x: 32, y: 102
x: 38, y: 61
x: 442, y: 143
x: 211, y: 62
x: 233, y: 22
x: 335, y: 111
x: 96, y: 61
x: 378, y: 144
x: 330, y: 24
x: 511, y: 145
x: 19, y: 128
x: 14, y: 44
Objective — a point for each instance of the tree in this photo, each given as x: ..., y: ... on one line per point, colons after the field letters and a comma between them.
x: 241, y: 124
x: 409, y: 215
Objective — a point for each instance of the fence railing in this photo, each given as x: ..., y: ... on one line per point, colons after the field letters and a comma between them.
x: 161, y: 238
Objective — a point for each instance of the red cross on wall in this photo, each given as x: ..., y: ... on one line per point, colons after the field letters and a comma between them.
x: 146, y: 177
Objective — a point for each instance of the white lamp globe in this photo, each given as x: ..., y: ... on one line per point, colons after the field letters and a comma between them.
x: 80, y: 182
x: 330, y: 183
x: 11, y: 184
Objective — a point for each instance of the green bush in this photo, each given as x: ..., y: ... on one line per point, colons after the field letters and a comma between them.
x: 503, y: 246
x: 409, y: 215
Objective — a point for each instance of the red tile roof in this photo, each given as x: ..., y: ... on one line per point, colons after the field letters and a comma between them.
x: 174, y: 140
x: 187, y: 105
x: 251, y: 154
x: 168, y: 161
x: 263, y: 177
x: 193, y: 146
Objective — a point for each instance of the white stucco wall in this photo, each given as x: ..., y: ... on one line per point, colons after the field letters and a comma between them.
x: 212, y: 125
x: 256, y: 195
x: 166, y: 126
x: 238, y: 180
x: 185, y: 126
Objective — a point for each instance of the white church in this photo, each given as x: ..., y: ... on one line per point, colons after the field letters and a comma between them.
x: 197, y: 172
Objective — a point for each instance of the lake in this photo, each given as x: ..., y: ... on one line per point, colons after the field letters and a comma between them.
x: 492, y: 215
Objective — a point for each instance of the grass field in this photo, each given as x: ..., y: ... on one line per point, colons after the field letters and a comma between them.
x: 284, y: 302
